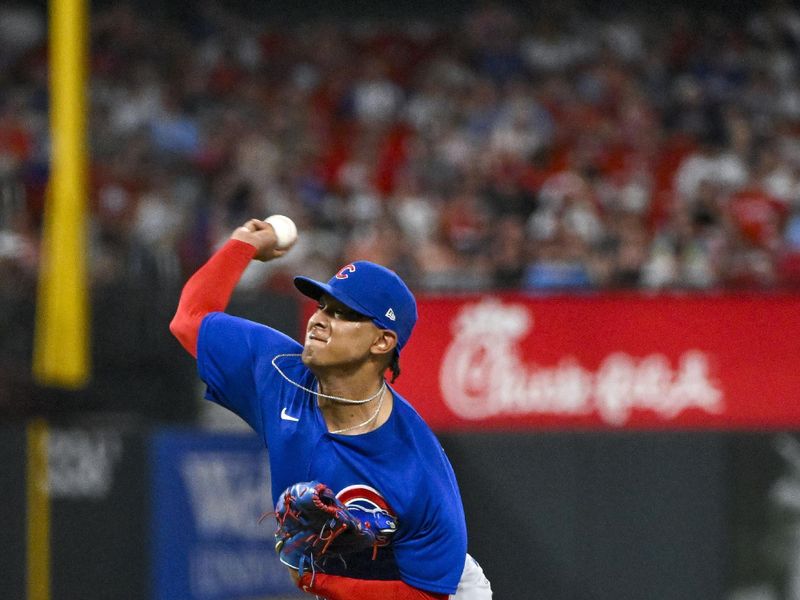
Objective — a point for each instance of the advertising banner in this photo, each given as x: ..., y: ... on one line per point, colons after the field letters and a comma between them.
x: 209, y: 493
x: 97, y: 510
x: 606, y: 361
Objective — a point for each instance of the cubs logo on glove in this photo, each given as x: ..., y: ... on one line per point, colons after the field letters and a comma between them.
x: 314, y: 525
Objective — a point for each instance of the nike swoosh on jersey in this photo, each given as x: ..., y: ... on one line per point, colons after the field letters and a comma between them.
x: 286, y: 417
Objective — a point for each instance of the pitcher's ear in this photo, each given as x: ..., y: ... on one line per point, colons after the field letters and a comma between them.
x: 385, y: 342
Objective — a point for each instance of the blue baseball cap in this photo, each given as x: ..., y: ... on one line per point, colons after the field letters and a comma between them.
x: 372, y: 290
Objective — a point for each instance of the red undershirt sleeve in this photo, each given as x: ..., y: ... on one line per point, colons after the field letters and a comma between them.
x: 209, y: 290
x: 334, y: 587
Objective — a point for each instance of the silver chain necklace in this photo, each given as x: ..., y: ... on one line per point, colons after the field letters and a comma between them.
x: 368, y: 421
x: 336, y: 398
x: 320, y: 394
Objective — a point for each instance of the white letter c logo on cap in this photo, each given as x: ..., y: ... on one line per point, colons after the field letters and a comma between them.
x: 343, y: 272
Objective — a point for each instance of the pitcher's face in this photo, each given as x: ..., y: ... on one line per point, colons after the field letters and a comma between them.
x: 336, y: 335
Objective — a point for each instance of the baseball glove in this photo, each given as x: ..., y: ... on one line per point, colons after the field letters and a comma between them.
x: 314, y: 525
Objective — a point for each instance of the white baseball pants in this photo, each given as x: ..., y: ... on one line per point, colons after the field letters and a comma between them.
x: 473, y: 584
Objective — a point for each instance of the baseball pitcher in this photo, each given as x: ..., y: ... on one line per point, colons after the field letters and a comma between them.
x: 366, y: 502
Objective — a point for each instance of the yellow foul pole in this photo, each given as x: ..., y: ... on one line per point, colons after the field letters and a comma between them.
x: 61, y: 339
x: 38, y: 582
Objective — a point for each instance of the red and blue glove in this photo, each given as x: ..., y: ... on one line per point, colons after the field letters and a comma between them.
x: 314, y: 525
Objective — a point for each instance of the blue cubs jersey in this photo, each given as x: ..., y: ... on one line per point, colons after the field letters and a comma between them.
x: 399, y: 468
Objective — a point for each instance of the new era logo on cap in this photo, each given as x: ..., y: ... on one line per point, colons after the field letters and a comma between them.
x: 369, y: 288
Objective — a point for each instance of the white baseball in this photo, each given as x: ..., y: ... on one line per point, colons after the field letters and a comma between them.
x: 285, y: 230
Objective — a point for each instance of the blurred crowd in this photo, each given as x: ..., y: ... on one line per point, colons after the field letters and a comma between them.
x: 497, y: 150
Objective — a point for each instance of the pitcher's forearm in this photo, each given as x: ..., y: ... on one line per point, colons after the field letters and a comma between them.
x: 209, y: 290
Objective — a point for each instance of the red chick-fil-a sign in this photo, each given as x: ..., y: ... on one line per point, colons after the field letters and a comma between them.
x: 627, y: 361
